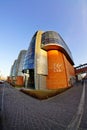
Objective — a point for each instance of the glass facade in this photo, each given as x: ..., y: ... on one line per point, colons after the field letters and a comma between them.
x: 29, y: 58
x: 20, y: 62
x: 53, y: 37
x: 14, y: 69
x: 28, y: 66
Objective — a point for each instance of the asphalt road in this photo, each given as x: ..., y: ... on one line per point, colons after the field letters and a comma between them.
x: 66, y: 111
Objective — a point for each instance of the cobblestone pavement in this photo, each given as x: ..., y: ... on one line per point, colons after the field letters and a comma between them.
x: 19, y: 111
x: 84, y: 118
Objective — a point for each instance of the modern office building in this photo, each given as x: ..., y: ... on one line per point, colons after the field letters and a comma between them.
x: 20, y: 62
x: 13, y: 71
x: 16, y: 75
x: 48, y: 63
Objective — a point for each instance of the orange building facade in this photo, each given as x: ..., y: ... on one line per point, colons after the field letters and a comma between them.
x: 16, y: 80
x: 60, y: 72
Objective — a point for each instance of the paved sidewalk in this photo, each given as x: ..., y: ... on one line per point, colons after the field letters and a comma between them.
x: 84, y: 118
x: 22, y: 112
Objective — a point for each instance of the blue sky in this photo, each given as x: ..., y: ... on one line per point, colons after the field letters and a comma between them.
x: 20, y: 19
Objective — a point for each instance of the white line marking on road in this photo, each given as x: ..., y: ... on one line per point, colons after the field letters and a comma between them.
x: 74, y: 125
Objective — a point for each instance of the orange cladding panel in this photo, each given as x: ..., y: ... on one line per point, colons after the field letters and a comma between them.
x: 69, y: 70
x: 8, y: 79
x: 57, y: 77
x: 19, y: 81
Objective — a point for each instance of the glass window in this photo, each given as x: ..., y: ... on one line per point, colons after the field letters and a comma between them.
x: 29, y: 58
x: 53, y: 37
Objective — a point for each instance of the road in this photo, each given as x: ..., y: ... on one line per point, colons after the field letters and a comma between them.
x: 66, y: 111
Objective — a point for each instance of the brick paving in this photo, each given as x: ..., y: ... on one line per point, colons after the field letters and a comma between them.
x: 22, y: 112
x: 0, y: 106
x: 84, y: 119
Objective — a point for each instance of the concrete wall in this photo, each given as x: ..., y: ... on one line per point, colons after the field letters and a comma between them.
x: 41, y: 66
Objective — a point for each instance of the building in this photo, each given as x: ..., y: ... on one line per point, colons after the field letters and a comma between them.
x: 13, y: 71
x: 16, y: 75
x: 20, y: 62
x: 48, y: 63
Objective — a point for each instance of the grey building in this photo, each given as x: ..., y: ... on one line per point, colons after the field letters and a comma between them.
x: 20, y: 62
x: 14, y: 69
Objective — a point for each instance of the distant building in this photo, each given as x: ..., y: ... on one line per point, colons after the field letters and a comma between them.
x: 14, y: 69
x: 48, y: 63
x: 16, y: 75
x: 20, y: 62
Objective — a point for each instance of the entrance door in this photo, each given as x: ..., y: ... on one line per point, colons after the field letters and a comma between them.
x: 31, y: 79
